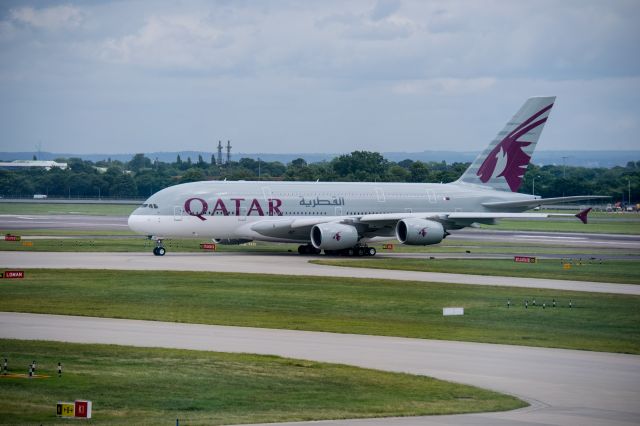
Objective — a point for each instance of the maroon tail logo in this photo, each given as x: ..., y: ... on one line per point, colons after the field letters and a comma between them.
x: 509, y: 154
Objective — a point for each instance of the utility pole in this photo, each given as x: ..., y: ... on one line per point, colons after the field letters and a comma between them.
x: 533, y: 189
x: 629, y: 182
x: 258, y: 168
x: 564, y: 173
x: 228, y: 151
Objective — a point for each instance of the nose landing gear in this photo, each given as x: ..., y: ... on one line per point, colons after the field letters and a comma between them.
x: 159, y: 249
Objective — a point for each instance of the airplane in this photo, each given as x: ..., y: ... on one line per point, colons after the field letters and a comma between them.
x: 340, y: 218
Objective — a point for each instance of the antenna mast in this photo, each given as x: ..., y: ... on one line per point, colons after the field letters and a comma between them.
x: 219, y: 153
x: 228, y: 151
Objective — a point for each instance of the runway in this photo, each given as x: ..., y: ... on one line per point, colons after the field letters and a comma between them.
x: 63, y: 221
x: 119, y: 223
x: 564, y: 387
x: 286, y: 264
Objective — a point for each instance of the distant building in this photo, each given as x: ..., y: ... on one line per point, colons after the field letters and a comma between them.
x: 19, y: 164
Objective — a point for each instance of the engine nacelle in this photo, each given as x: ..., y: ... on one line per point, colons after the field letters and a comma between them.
x: 419, y: 232
x: 333, y: 236
x: 230, y: 242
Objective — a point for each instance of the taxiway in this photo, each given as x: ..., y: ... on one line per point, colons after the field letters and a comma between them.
x: 564, y: 387
x: 280, y: 264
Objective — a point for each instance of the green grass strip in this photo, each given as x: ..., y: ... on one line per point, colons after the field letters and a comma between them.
x: 610, y: 271
x: 123, y: 241
x: 599, y: 322
x: 613, y: 226
x: 155, y: 386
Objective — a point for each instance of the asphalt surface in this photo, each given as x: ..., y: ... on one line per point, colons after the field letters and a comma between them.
x: 66, y: 221
x: 564, y: 387
x: 288, y: 264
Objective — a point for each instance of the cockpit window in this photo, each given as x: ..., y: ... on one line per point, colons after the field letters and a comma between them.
x: 144, y: 205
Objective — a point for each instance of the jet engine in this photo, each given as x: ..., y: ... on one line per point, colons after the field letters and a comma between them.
x: 419, y: 232
x: 333, y: 236
x: 230, y: 242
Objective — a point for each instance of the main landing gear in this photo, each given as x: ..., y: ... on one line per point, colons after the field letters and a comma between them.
x: 159, y: 249
x: 353, y: 251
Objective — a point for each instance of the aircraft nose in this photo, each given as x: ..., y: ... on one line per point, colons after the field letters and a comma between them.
x: 134, y: 222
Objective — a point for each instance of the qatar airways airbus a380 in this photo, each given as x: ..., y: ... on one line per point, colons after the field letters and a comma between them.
x: 342, y: 217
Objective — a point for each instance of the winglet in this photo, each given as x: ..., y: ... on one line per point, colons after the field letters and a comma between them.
x: 583, y: 215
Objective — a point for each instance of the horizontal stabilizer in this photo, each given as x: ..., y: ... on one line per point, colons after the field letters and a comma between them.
x: 583, y: 215
x: 535, y: 202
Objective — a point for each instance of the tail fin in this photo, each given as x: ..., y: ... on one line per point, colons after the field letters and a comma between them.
x: 502, y: 165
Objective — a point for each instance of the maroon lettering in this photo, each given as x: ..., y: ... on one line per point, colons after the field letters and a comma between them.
x: 274, y: 207
x: 198, y: 214
x: 220, y: 207
x: 237, y: 200
x: 255, y: 205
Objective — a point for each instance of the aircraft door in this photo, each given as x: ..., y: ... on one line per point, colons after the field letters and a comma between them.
x: 380, y: 195
x: 338, y: 211
x: 177, y: 213
x: 432, y: 196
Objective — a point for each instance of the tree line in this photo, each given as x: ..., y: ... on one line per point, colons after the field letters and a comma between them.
x: 141, y: 177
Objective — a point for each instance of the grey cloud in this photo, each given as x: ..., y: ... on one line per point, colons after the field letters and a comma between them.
x: 340, y: 75
x: 384, y: 8
x: 49, y: 18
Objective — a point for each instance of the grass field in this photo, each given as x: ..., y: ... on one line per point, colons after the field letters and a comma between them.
x: 155, y: 386
x: 600, y: 322
x: 612, y: 225
x: 615, y: 271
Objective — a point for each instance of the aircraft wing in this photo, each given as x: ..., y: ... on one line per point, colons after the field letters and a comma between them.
x: 384, y: 223
x: 540, y: 201
x: 466, y: 218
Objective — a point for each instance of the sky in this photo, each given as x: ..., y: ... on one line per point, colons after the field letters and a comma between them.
x: 314, y: 76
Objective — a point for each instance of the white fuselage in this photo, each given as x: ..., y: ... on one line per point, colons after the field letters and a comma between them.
x: 232, y: 210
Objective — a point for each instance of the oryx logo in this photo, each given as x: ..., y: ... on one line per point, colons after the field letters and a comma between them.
x: 507, y: 159
x: 423, y: 232
x: 337, y: 236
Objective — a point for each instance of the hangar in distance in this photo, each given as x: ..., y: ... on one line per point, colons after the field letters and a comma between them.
x: 342, y: 217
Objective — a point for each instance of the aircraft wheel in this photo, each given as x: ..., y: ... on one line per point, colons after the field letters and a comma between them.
x: 161, y: 251
x: 301, y: 250
x: 316, y: 251
x: 371, y: 251
x: 351, y: 252
x: 155, y: 251
x: 360, y: 251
